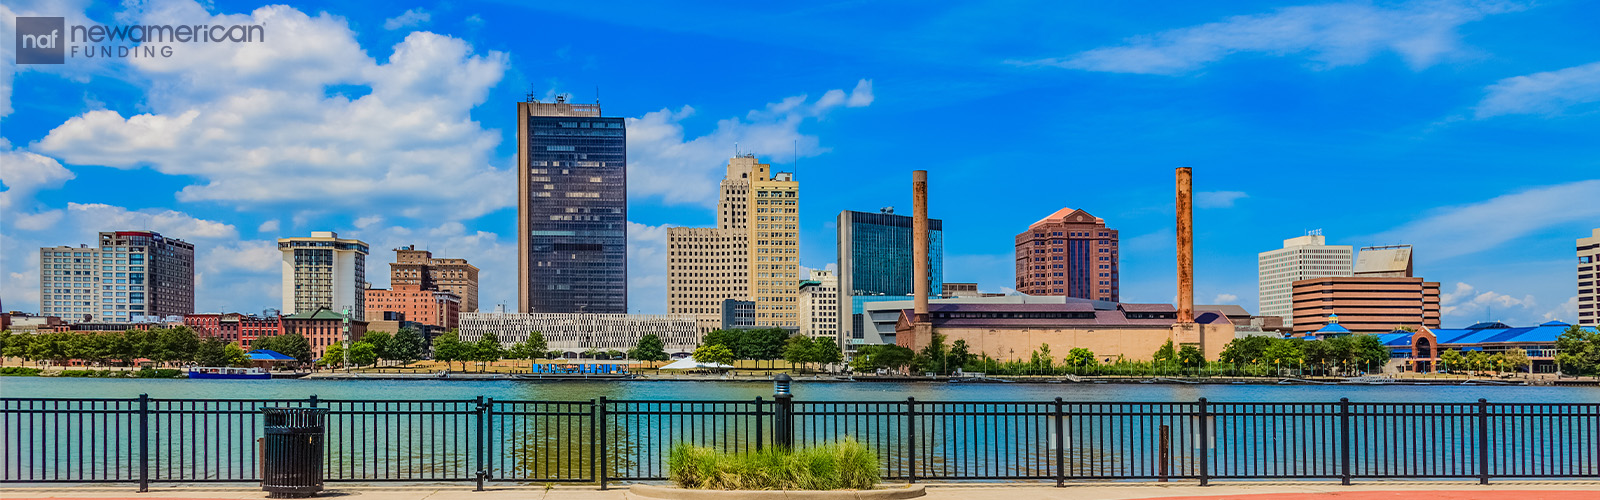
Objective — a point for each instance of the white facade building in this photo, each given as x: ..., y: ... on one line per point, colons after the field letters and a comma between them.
x: 579, y: 332
x: 324, y: 271
x: 130, y: 277
x: 819, y: 306
x: 1300, y: 258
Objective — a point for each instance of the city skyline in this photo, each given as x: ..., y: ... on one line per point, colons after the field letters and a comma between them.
x: 1287, y: 134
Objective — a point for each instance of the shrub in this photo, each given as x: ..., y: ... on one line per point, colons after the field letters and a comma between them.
x: 148, y: 372
x: 19, y: 371
x: 843, y: 465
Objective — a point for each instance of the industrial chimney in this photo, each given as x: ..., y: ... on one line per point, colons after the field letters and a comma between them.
x: 1185, y: 245
x: 919, y: 243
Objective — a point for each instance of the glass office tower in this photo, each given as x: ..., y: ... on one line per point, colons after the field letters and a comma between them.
x: 875, y: 261
x: 572, y: 209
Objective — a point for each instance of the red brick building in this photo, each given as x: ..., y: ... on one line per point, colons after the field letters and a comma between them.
x: 1365, y: 304
x: 322, y: 328
x: 238, y: 328
x: 1070, y: 253
x: 429, y: 307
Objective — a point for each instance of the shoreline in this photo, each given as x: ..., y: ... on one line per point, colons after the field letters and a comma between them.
x: 1113, y: 380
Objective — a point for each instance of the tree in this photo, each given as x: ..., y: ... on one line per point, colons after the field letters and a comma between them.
x: 1284, y: 352
x: 1191, y: 357
x: 1166, y: 354
x: 889, y: 356
x: 1368, y: 352
x: 1452, y: 361
x: 933, y: 356
x: 1578, y: 350
x: 174, y: 344
x: 1041, y: 360
x: 714, y: 353
x: 537, y: 344
x: 487, y: 349
x: 217, y: 352
x: 363, y: 353
x: 960, y: 354
x: 1516, y: 359
x: 1245, y: 350
x: 650, y: 348
x: 449, y: 348
x: 407, y: 346
x: 798, y: 350
x: 827, y: 353
x: 332, y: 356
x: 1079, y: 357
x: 292, y: 345
x: 17, y: 346
x: 521, y: 350
x: 380, y: 342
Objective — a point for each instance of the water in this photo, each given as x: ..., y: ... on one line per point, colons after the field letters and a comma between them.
x: 36, y: 387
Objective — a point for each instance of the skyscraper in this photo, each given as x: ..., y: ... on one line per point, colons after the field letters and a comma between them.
x: 130, y: 274
x: 875, y: 262
x: 752, y: 254
x: 324, y: 271
x: 572, y: 209
x: 1588, y: 291
x: 1301, y: 258
x: 1070, y: 253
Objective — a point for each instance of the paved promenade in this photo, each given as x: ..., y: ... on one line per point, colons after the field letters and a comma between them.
x: 1509, y: 490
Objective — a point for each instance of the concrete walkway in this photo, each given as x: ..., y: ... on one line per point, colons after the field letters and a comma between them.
x: 1508, y: 490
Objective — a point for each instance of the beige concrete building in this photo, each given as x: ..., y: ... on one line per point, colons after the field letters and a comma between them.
x: 752, y: 254
x: 324, y: 271
x: 819, y: 306
x: 1588, y: 291
x: 1300, y: 258
x: 1392, y: 261
x: 1013, y: 330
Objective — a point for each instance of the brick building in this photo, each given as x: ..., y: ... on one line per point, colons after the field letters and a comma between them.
x: 322, y: 327
x: 1070, y: 253
x: 242, y: 329
x: 418, y: 270
x: 1365, y: 304
x: 429, y: 307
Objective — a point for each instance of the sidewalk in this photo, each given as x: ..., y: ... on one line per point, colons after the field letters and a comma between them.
x: 1509, y: 490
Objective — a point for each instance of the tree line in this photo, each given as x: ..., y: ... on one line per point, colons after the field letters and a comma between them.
x: 766, y: 344
x: 157, y: 346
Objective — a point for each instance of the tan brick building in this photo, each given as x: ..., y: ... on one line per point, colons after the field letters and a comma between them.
x: 1070, y: 253
x: 418, y: 270
x: 1365, y: 304
x: 752, y: 254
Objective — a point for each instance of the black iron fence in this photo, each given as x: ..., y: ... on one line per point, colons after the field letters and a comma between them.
x: 144, y: 440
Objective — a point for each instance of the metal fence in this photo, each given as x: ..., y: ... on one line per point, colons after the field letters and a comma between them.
x: 144, y: 440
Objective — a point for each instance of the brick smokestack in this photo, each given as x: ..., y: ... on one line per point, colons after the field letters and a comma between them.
x: 1185, y: 245
x: 919, y: 242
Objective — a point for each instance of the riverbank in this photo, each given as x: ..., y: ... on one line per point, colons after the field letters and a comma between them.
x: 829, y: 378
x: 1185, y: 490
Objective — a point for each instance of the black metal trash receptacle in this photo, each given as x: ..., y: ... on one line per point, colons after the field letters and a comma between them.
x: 292, y: 465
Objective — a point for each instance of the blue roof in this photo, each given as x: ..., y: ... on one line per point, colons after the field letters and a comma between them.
x: 269, y: 355
x: 1395, y: 339
x: 1332, y: 328
x: 1544, y: 334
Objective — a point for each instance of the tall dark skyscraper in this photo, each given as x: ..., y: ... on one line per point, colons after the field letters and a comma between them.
x: 875, y: 262
x: 572, y: 209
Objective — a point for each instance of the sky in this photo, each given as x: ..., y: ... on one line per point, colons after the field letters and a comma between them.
x: 1470, y: 130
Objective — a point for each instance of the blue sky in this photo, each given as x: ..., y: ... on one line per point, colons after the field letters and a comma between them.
x: 1468, y: 129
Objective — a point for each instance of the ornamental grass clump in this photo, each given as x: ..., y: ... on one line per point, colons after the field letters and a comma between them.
x: 842, y: 465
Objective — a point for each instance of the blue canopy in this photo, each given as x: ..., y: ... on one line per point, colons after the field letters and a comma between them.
x: 269, y: 355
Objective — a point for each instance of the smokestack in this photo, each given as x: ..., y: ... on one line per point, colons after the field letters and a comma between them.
x: 919, y: 242
x: 1185, y: 245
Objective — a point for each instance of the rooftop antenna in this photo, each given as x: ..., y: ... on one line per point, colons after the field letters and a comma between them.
x: 531, y: 97
x: 597, y: 95
x: 735, y: 149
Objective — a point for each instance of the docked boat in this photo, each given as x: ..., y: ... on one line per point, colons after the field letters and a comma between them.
x: 211, y: 372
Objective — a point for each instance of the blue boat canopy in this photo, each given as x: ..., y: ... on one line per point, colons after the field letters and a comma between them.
x: 269, y: 355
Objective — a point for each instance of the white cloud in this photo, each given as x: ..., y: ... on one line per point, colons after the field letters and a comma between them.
x: 1467, y: 304
x: 271, y: 124
x: 368, y: 221
x: 25, y: 174
x: 647, y: 268
x: 171, y: 223
x: 268, y: 226
x: 1225, y: 298
x: 1545, y: 93
x: 664, y: 163
x: 1460, y: 230
x: 1218, y: 199
x: 1329, y: 35
x: 410, y: 18
x: 1566, y: 312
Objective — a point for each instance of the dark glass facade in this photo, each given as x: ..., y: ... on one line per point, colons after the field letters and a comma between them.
x: 575, y: 212
x: 875, y: 254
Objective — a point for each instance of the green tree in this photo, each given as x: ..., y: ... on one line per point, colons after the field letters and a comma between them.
x: 1079, y: 357
x: 889, y: 356
x: 714, y: 353
x: 449, y: 348
x: 487, y: 349
x: 1167, y: 354
x: 1368, y: 352
x: 615, y: 354
x: 521, y: 351
x: 1478, y: 361
x: 1191, y: 357
x: 1042, y: 361
x: 363, y: 353
x: 650, y: 348
x: 218, y: 352
x: 175, y: 344
x: 798, y: 350
x: 537, y: 345
x: 1578, y: 351
x: 1516, y: 360
x: 292, y: 345
x: 960, y: 354
x: 1453, y: 361
x: 333, y: 356
x: 17, y: 346
x: 380, y: 342
x: 1284, y: 352
x: 827, y: 352
x: 1245, y: 350
x: 407, y: 346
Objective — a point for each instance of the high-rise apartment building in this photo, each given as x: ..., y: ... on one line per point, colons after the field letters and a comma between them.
x: 418, y: 270
x: 130, y: 275
x: 753, y: 253
x: 819, y: 306
x: 1588, y: 284
x: 324, y: 271
x: 572, y: 209
x: 1070, y: 253
x: 1301, y: 258
x: 875, y: 262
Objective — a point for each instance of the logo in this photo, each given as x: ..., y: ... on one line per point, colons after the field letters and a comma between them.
x: 41, y: 40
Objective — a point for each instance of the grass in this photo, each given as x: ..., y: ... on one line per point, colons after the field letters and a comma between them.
x: 841, y: 465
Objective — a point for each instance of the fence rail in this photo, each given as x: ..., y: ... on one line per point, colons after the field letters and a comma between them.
x: 144, y: 440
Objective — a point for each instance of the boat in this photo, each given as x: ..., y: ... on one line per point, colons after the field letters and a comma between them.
x: 212, y: 372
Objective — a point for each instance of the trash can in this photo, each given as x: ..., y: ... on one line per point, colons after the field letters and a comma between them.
x: 292, y: 462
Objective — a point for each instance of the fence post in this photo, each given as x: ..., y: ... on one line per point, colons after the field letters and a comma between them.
x: 144, y: 443
x: 911, y: 440
x: 1344, y: 441
x: 759, y: 429
x: 1483, y: 441
x: 1205, y: 445
x: 483, y: 423
x: 1164, y: 456
x: 783, y: 419
x: 1061, y: 445
x: 600, y: 455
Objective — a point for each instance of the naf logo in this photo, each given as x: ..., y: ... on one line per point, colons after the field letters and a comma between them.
x: 41, y: 40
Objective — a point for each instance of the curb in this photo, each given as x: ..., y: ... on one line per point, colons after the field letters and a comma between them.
x: 669, y: 493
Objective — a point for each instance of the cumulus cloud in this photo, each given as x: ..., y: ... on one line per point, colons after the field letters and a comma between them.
x: 1546, y: 93
x: 1468, y: 304
x: 663, y: 162
x: 268, y: 226
x: 1330, y: 35
x: 410, y: 18
x: 1225, y: 298
x: 24, y: 174
x: 306, y: 116
x: 1460, y: 230
x: 647, y: 268
x: 1218, y: 199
